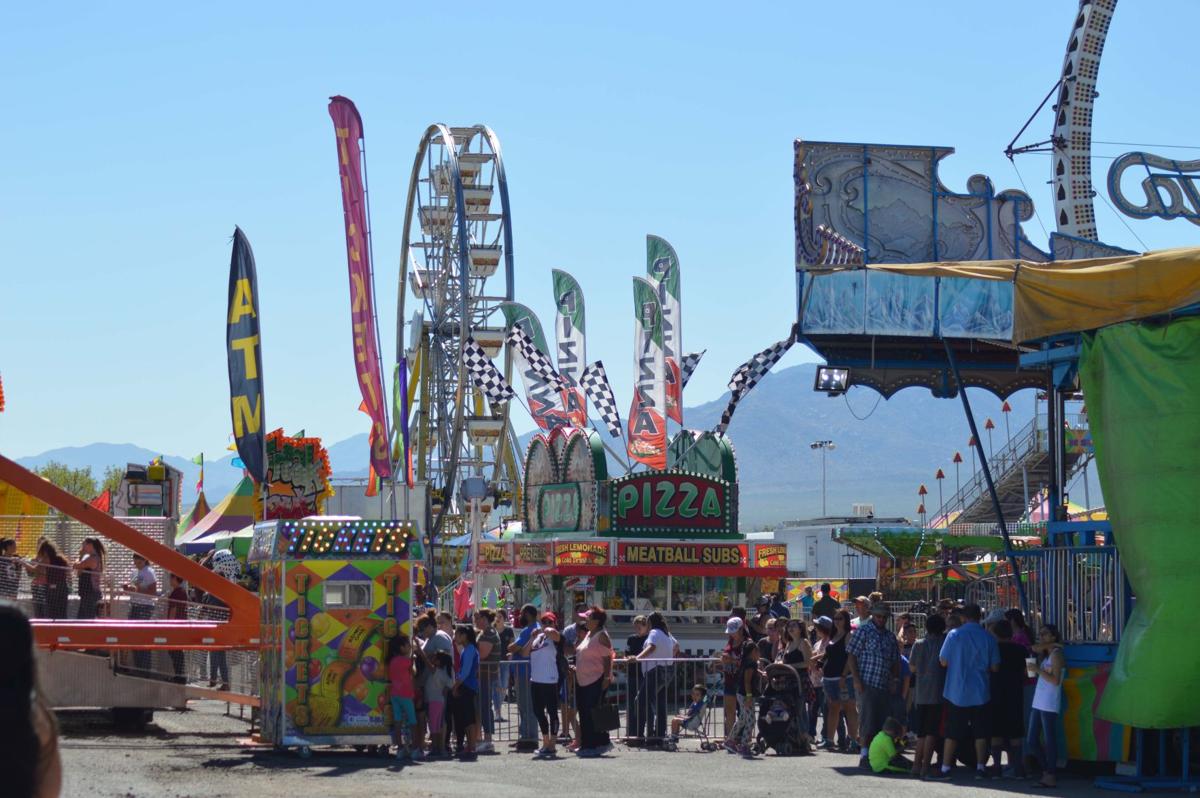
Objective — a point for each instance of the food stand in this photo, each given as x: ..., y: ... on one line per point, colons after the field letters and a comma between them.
x: 665, y: 540
x: 333, y: 591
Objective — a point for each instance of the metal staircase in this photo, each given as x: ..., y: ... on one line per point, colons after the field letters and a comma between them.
x: 1021, y: 469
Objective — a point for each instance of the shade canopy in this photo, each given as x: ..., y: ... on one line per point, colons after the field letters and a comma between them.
x: 1078, y: 295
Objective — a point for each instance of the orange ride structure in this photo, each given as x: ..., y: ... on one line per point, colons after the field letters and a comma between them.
x: 241, y: 631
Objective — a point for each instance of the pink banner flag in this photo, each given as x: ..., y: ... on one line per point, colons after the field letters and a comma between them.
x: 348, y: 127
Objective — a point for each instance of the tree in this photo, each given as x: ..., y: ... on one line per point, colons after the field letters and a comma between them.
x: 112, y: 479
x: 78, y: 482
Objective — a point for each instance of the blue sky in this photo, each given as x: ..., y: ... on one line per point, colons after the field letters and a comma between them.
x: 138, y: 135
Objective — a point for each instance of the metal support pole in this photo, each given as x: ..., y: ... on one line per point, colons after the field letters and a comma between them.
x: 824, y: 513
x: 476, y: 528
x: 987, y: 475
x: 1053, y: 422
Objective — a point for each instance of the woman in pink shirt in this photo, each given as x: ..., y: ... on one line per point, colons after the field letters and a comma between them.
x: 593, y: 675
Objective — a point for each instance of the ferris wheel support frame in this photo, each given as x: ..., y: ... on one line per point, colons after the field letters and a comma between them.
x: 441, y: 134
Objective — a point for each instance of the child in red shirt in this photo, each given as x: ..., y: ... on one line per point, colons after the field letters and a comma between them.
x: 400, y: 676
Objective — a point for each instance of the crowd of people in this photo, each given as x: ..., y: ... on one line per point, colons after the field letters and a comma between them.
x: 447, y: 686
x: 973, y: 691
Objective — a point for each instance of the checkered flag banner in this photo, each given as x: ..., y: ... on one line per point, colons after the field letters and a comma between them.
x: 538, y: 362
x: 484, y: 373
x: 748, y: 375
x: 595, y: 384
x: 688, y: 365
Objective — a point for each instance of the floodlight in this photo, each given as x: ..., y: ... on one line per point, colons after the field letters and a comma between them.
x: 832, y: 380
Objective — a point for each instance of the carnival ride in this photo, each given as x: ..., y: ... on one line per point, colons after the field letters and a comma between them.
x: 901, y: 286
x: 75, y: 678
x: 457, y: 260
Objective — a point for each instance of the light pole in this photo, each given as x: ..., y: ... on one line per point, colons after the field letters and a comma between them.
x: 824, y: 446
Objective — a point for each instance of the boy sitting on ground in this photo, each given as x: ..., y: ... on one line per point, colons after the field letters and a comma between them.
x: 885, y: 756
x: 688, y: 718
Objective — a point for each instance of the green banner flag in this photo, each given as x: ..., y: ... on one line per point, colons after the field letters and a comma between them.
x: 571, y: 343
x: 662, y: 266
x: 647, y: 414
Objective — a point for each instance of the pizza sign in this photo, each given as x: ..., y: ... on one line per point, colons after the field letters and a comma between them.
x: 672, y: 503
x: 559, y: 507
x: 495, y: 554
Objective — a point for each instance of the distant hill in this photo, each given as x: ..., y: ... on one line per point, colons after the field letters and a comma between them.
x: 219, y: 476
x: 885, y: 449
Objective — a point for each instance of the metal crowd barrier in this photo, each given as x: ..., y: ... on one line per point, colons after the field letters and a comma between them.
x: 504, y: 704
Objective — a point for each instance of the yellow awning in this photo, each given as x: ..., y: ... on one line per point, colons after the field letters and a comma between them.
x: 1076, y: 295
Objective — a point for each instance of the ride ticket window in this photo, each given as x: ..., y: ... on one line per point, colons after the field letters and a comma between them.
x: 651, y: 593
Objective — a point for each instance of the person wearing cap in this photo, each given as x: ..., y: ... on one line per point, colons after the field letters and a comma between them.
x: 874, y: 662
x: 740, y: 663
x: 823, y: 625
x: 995, y: 616
x: 543, y: 652
x: 593, y: 675
x: 862, y: 612
x: 826, y: 605
x: 757, y: 624
x: 969, y: 655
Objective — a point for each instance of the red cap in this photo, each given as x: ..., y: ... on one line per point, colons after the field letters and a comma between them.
x: 549, y: 617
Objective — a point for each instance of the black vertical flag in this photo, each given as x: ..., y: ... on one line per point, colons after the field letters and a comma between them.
x: 246, y: 402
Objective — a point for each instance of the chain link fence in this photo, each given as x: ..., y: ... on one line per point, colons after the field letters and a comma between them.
x: 24, y: 578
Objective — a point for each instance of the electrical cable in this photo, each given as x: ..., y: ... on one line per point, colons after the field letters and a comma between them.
x: 878, y: 399
x: 1025, y: 188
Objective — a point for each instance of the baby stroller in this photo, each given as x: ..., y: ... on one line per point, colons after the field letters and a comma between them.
x: 782, y: 720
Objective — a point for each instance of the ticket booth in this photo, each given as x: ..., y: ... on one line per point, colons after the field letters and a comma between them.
x: 333, y: 591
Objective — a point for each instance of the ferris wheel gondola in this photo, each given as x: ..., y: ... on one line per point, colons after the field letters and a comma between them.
x: 457, y: 262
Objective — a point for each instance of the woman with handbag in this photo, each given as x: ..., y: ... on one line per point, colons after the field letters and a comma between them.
x: 593, y: 675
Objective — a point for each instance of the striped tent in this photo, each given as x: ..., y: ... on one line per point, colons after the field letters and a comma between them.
x: 234, y: 512
x: 193, y: 517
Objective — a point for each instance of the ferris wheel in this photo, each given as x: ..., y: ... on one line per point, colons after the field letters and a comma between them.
x: 457, y: 262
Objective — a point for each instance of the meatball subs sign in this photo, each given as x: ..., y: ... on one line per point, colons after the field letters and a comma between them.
x: 672, y: 503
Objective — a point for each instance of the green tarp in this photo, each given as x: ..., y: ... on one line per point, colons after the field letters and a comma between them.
x: 1142, y: 384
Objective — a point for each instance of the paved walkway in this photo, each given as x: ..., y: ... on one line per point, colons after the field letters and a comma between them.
x: 203, y: 753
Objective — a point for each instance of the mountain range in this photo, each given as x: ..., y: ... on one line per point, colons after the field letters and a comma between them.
x: 884, y: 449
